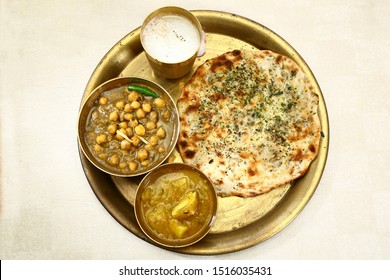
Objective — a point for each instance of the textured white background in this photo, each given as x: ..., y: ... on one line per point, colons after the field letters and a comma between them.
x: 49, y: 49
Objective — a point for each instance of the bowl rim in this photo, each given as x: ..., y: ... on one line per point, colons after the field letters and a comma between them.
x: 181, y: 242
x: 116, y: 83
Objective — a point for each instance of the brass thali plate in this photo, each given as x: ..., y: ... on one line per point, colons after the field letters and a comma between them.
x: 241, y: 222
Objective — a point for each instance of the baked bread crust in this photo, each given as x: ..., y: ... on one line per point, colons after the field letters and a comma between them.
x: 249, y: 121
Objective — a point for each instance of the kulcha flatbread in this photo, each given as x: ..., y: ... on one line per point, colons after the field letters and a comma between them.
x: 249, y: 121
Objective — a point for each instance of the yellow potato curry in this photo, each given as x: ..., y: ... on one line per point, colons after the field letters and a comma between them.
x: 177, y: 205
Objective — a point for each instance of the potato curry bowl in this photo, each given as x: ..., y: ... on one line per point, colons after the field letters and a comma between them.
x: 128, y: 126
x: 175, y: 205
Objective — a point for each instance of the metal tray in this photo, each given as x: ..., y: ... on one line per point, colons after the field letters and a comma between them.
x: 241, y: 222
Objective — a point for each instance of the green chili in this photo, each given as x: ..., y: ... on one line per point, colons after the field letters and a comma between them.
x: 143, y: 90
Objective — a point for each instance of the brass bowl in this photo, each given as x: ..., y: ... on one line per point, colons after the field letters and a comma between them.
x: 177, y: 69
x: 172, y: 131
x: 167, y: 171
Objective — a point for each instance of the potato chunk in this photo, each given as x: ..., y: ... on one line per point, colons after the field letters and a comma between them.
x: 178, y: 228
x: 187, y: 206
x: 180, y: 183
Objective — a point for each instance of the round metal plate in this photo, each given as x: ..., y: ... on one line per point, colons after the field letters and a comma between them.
x: 241, y: 223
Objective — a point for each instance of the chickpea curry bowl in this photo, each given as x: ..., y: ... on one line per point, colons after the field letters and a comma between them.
x: 175, y: 205
x: 128, y: 126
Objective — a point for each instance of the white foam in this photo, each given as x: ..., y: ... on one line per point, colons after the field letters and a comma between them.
x: 171, y: 38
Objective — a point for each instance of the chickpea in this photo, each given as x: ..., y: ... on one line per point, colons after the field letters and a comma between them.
x: 133, y: 149
x: 111, y: 129
x: 161, y: 149
x: 102, y: 156
x: 135, y: 105
x: 103, y: 100
x: 129, y: 131
x: 166, y: 115
x: 122, y: 165
x: 135, y: 140
x: 128, y: 116
x: 144, y: 163
x: 113, y: 160
x: 159, y: 102
x: 133, y: 166
x: 142, y: 154
x: 140, y: 114
x: 161, y: 133
x: 125, y: 145
x: 153, y: 140
x: 133, y: 96
x: 133, y: 123
x: 120, y: 104
x: 127, y: 108
x: 147, y: 107
x: 150, y: 125
x: 121, y: 116
x: 97, y: 148
x: 114, y: 116
x: 119, y: 137
x: 101, y: 139
x: 123, y: 125
x: 153, y: 116
x: 140, y: 130
x: 149, y: 147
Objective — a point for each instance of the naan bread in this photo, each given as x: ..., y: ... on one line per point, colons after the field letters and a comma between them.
x: 249, y: 121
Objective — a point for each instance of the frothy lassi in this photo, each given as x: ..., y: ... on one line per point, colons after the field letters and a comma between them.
x: 170, y: 38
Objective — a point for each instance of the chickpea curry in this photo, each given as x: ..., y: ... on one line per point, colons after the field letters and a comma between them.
x: 128, y: 130
x: 177, y: 205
